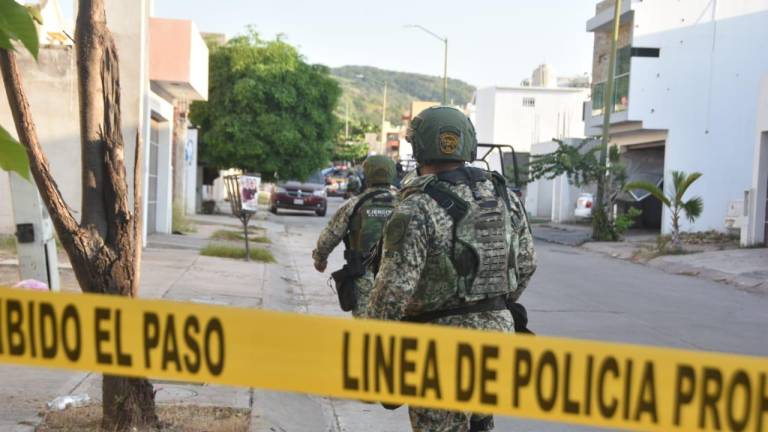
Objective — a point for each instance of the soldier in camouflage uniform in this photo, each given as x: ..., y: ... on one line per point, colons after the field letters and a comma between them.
x: 359, y: 222
x: 468, y: 277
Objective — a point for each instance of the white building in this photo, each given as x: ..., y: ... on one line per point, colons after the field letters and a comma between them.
x: 554, y: 199
x: 523, y: 116
x: 147, y: 98
x: 692, y: 84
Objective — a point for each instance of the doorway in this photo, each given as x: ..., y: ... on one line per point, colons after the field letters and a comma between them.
x: 154, y: 152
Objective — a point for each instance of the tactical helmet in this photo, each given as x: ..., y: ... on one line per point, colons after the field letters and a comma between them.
x: 442, y: 134
x: 379, y: 169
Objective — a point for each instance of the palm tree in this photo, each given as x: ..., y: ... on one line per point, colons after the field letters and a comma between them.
x: 680, y: 182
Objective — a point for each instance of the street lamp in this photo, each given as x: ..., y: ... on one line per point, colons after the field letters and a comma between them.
x: 383, y: 111
x: 444, y: 40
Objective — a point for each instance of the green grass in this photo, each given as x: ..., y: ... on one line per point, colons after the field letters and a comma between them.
x: 226, y: 251
x: 8, y: 242
x: 180, y: 222
x: 238, y: 236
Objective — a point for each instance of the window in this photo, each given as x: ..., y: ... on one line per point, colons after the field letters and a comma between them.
x: 529, y: 102
x: 598, y: 93
x: 620, y: 84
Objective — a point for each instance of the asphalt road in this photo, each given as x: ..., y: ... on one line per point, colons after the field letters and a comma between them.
x: 575, y: 293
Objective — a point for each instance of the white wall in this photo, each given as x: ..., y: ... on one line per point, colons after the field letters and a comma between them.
x: 755, y: 232
x: 190, y: 172
x: 705, y: 90
x: 501, y: 117
x: 552, y: 199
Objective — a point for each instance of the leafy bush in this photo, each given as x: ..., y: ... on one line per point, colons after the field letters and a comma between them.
x: 626, y: 220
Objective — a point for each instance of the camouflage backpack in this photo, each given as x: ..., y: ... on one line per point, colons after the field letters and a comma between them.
x: 368, y: 219
x: 482, y: 262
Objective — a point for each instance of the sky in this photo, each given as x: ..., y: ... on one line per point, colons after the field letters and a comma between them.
x: 490, y: 42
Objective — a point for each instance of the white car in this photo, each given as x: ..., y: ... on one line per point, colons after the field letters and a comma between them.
x: 584, y: 206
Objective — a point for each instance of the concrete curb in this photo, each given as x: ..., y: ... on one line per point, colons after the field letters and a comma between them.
x: 669, y: 265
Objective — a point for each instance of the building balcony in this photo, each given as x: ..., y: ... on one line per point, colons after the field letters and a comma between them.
x: 604, y: 15
x: 178, y: 59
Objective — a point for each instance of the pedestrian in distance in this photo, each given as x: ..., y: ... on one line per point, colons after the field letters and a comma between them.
x: 456, y: 251
x: 359, y: 223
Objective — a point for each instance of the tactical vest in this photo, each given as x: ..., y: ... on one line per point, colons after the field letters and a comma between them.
x: 482, y: 261
x: 369, y: 216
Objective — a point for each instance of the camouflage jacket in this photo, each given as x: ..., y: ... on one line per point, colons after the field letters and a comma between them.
x: 418, y: 229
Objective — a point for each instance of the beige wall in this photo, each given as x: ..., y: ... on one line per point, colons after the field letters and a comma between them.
x: 51, y: 85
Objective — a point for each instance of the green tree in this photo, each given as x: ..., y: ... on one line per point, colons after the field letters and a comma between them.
x: 268, y: 110
x: 350, y: 142
x: 675, y: 201
x: 581, y: 164
x: 16, y: 25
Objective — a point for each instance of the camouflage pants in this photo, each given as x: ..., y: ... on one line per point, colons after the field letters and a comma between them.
x: 364, y: 286
x: 431, y: 420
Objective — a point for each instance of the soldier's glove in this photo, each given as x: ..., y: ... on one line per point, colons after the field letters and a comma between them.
x: 520, y: 317
x: 321, y: 265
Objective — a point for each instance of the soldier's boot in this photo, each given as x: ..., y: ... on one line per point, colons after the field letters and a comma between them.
x: 481, y: 424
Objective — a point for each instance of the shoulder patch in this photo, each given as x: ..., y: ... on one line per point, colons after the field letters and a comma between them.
x: 449, y: 142
x: 395, y: 231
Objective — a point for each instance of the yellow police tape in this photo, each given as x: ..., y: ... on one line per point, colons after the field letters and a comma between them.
x: 555, y: 379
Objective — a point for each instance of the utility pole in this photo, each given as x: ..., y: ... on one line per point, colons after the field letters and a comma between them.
x: 444, y: 40
x: 445, y: 73
x: 346, y: 124
x: 599, y: 216
x: 383, y: 121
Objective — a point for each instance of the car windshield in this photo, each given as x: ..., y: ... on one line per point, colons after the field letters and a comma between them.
x: 316, y: 177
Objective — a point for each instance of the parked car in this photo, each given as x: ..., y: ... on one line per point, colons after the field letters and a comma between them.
x: 584, y: 205
x: 335, y: 181
x: 296, y: 195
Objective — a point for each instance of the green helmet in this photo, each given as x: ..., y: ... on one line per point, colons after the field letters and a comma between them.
x: 379, y: 170
x: 442, y: 134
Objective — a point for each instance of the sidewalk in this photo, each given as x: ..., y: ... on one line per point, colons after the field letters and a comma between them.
x: 744, y: 268
x: 172, y: 269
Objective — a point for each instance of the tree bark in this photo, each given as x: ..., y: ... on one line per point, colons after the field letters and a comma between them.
x: 105, y: 247
x: 127, y: 402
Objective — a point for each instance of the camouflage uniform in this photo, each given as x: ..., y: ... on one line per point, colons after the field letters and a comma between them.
x: 333, y: 234
x: 418, y: 235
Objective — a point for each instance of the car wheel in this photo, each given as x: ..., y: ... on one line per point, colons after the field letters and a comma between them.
x: 273, y: 209
x: 321, y: 212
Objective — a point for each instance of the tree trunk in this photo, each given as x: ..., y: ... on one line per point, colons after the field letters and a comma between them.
x: 104, y: 248
x: 676, y: 244
x: 127, y: 402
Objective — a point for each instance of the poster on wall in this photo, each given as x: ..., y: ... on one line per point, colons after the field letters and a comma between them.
x: 249, y: 192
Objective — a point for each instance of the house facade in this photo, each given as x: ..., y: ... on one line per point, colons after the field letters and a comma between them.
x: 524, y: 116
x: 691, y: 94
x: 149, y: 94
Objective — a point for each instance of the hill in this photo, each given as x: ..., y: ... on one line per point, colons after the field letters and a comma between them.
x: 363, y: 87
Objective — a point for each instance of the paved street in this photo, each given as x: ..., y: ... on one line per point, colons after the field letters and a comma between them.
x: 575, y: 293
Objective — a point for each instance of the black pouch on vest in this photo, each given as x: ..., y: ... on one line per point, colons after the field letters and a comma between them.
x: 345, y: 288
